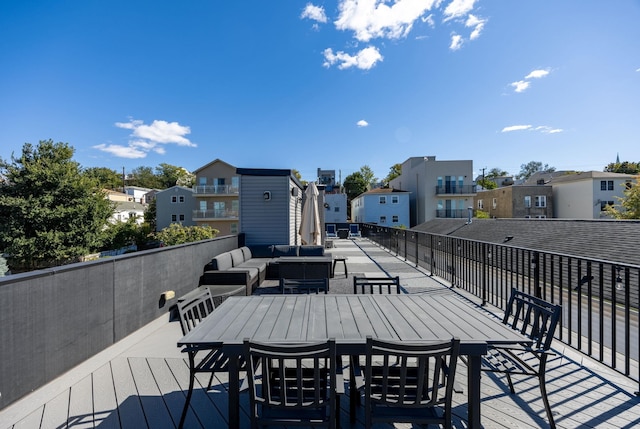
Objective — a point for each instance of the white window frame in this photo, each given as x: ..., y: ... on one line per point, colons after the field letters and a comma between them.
x: 383, y: 219
x: 382, y: 200
x: 527, y: 201
x: 395, y: 199
x: 541, y: 201
x: 480, y: 204
x: 494, y: 203
x: 394, y: 219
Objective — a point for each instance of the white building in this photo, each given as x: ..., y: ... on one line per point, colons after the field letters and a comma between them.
x: 335, y: 208
x: 382, y: 206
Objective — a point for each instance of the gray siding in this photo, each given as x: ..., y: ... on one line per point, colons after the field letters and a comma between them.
x: 265, y: 222
x: 165, y: 208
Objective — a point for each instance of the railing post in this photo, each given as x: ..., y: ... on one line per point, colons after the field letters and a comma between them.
x: 485, y: 267
x: 535, y: 264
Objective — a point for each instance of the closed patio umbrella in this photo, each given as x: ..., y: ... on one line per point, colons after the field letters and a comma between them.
x: 310, y: 225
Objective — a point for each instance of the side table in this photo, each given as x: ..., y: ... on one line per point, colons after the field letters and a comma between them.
x: 342, y: 259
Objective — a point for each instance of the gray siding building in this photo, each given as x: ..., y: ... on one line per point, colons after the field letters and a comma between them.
x: 174, y: 205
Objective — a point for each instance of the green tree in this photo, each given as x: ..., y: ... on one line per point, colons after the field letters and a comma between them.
x: 51, y: 213
x: 629, y: 207
x: 150, y: 214
x: 394, y: 171
x: 495, y: 172
x: 355, y: 184
x: 144, y: 177
x: 527, y: 170
x: 121, y: 234
x: 170, y: 175
x: 368, y: 176
x: 625, y: 167
x: 107, y: 178
x: 178, y: 234
x: 487, y: 183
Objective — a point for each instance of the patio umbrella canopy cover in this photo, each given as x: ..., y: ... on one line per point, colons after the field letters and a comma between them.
x: 310, y: 225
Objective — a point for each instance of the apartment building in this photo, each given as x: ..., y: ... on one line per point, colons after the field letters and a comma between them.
x: 175, y: 205
x: 216, y: 192
x: 518, y: 201
x: 437, y: 189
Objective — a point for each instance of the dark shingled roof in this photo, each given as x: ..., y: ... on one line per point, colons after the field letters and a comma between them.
x: 610, y: 240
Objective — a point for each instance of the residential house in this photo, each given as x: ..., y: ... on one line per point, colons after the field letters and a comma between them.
x: 585, y: 195
x: 328, y: 179
x: 384, y: 206
x: 175, y: 205
x: 437, y: 188
x: 137, y: 193
x: 216, y: 192
x: 271, y: 206
x: 125, y: 210
x: 518, y: 201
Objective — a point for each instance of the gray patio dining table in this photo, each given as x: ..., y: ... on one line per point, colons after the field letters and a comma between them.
x: 350, y: 319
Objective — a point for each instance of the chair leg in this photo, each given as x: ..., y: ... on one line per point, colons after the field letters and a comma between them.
x: 192, y: 377
x: 210, y: 382
x: 543, y: 390
x: 510, y: 383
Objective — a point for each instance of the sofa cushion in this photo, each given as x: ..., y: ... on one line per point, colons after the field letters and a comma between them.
x: 261, y: 251
x: 311, y: 251
x: 237, y: 257
x: 222, y: 262
x: 247, y: 253
x: 284, y: 250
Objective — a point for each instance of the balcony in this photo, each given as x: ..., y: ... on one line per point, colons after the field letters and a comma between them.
x: 215, y: 215
x: 141, y: 381
x: 456, y: 190
x: 451, y: 213
x: 205, y: 190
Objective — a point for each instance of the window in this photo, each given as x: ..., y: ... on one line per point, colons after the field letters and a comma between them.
x: 174, y: 199
x: 394, y: 219
x: 494, y: 203
x: 181, y: 198
x: 383, y: 200
x: 202, y: 181
x: 527, y: 201
x: 604, y: 204
x: 203, y: 205
x: 181, y: 218
x: 610, y: 185
x: 603, y: 185
x: 383, y: 219
x: 336, y: 209
x: 174, y: 218
x: 480, y: 204
x: 395, y: 199
x: 541, y: 201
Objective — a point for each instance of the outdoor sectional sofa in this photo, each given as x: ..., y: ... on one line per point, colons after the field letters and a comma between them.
x: 251, y: 266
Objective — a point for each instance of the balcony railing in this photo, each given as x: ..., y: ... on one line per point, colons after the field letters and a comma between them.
x: 215, y: 190
x: 215, y: 214
x: 455, y: 189
x: 599, y: 298
x: 451, y: 213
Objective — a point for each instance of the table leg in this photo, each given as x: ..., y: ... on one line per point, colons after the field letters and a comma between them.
x: 192, y: 376
x: 234, y: 392
x: 473, y: 387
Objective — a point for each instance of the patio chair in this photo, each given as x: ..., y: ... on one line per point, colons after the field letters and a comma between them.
x: 192, y: 312
x: 331, y: 231
x: 536, y: 319
x: 408, y: 382
x: 293, y: 384
x: 354, y: 230
x: 379, y: 285
x: 304, y: 285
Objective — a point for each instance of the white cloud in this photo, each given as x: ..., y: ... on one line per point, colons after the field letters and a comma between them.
x: 370, y: 19
x: 537, y: 74
x: 121, y: 151
x: 520, y: 85
x: 365, y: 59
x: 477, y: 24
x: 458, y: 8
x: 516, y: 128
x: 362, y: 123
x: 429, y: 20
x: 544, y: 129
x: 148, y: 138
x: 456, y: 42
x: 315, y: 13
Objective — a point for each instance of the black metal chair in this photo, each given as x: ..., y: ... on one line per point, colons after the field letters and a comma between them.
x: 304, y: 285
x: 408, y: 382
x: 536, y: 319
x: 192, y: 312
x: 294, y: 384
x: 380, y: 285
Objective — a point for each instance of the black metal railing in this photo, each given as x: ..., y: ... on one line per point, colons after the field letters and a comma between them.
x: 455, y: 189
x: 599, y: 298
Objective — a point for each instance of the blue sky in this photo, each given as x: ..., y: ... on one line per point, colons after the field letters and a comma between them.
x: 323, y: 84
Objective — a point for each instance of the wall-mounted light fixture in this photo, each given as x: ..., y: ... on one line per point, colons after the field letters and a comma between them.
x: 266, y: 195
x: 326, y: 206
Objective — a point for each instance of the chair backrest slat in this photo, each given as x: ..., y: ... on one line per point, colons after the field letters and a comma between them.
x: 533, y: 317
x: 193, y: 311
x: 379, y: 285
x: 304, y: 285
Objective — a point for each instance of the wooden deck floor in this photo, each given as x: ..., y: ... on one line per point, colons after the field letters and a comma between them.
x: 141, y: 382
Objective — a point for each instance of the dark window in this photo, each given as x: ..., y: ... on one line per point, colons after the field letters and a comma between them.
x: 610, y: 185
x: 603, y: 185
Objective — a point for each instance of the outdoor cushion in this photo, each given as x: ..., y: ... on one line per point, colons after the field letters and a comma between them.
x: 247, y: 253
x: 237, y: 256
x: 261, y: 251
x: 284, y: 250
x: 311, y: 251
x: 222, y: 262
